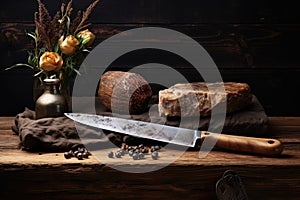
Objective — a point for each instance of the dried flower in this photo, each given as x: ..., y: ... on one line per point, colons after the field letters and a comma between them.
x: 87, y: 36
x: 82, y: 18
x: 68, y: 45
x: 51, y: 61
x: 53, y: 53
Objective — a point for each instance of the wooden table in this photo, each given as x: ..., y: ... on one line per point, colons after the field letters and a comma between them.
x: 51, y: 176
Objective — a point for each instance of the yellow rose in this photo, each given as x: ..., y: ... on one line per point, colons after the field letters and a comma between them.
x: 68, y: 45
x: 87, y: 34
x: 51, y: 61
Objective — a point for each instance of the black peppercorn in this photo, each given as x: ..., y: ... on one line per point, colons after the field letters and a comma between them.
x: 122, y: 151
x: 124, y: 146
x: 130, y: 148
x: 110, y: 154
x: 118, y: 154
x: 130, y: 152
x: 136, y: 152
x: 71, y: 153
x: 135, y: 156
x: 76, y: 153
x: 85, y: 155
x: 145, y: 150
x: 154, y: 155
x: 80, y: 153
x: 152, y: 149
x: 67, y: 155
x: 81, y: 150
x: 141, y: 155
x: 79, y: 156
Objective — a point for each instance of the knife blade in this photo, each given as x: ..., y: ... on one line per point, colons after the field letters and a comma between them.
x: 178, y: 135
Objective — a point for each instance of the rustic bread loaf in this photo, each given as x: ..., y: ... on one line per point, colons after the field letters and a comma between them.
x: 124, y: 92
x: 238, y: 96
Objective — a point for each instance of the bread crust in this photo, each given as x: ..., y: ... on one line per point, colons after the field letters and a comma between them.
x: 190, y: 99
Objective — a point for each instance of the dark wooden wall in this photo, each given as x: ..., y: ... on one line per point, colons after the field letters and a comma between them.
x: 253, y: 41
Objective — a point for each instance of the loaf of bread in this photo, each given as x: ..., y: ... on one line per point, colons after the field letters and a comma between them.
x: 124, y: 92
x: 176, y: 100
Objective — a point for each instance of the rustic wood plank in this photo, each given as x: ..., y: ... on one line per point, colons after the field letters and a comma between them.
x: 223, y: 48
x: 6, y: 123
x: 166, y: 11
x: 278, y: 121
x: 15, y: 157
x: 231, y: 46
x: 290, y: 136
x: 193, y: 182
x: 287, y: 129
x: 37, y: 174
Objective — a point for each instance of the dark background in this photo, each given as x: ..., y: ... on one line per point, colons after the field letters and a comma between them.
x: 251, y: 41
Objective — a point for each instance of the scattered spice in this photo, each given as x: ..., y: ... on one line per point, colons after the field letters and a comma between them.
x: 136, y: 152
x: 79, y: 153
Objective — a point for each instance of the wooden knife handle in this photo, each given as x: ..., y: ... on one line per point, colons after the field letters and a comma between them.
x: 262, y: 146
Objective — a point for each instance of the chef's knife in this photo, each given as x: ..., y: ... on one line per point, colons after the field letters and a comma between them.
x: 179, y: 136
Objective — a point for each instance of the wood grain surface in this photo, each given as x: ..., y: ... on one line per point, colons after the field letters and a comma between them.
x: 51, y: 176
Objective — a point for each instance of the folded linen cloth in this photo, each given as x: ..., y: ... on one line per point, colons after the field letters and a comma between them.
x: 52, y: 134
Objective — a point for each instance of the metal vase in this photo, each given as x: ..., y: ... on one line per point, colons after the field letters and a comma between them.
x: 51, y: 103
